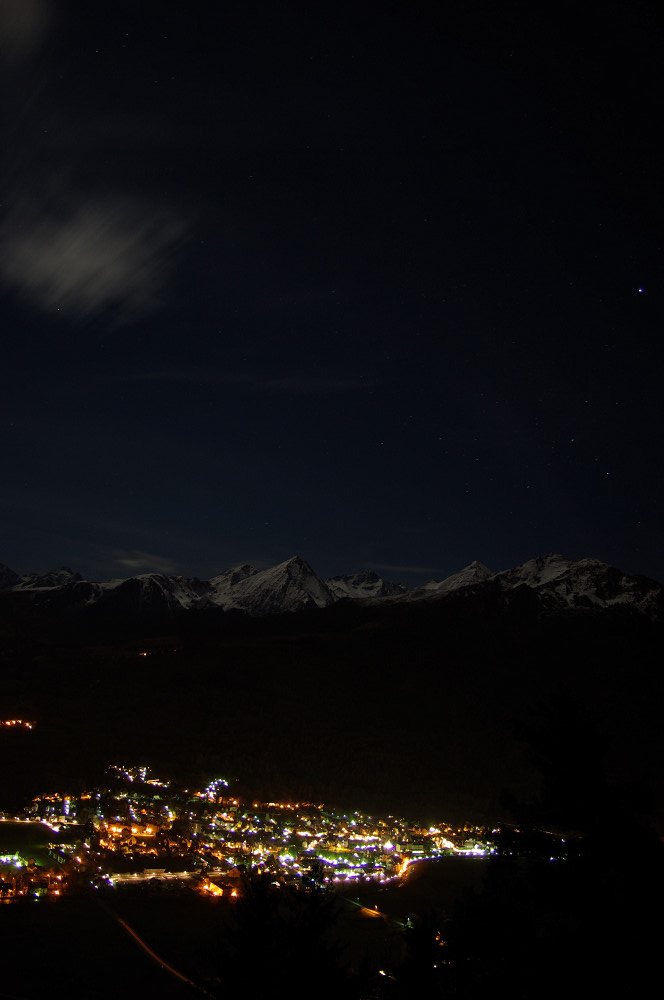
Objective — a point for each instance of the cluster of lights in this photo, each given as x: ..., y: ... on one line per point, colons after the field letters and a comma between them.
x: 213, y: 790
x: 131, y: 773
x: 292, y: 806
x: 11, y: 859
x: 348, y: 847
x: 20, y: 723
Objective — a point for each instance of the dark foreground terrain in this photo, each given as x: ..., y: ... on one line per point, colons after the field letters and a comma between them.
x: 458, y: 928
x: 479, y: 708
x: 426, y: 711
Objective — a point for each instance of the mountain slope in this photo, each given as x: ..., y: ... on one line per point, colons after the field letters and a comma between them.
x: 290, y: 586
x: 583, y: 584
x: 475, y: 573
x: 551, y: 583
x: 363, y: 585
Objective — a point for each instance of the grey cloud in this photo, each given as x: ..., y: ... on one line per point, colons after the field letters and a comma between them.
x: 314, y: 384
x: 400, y: 569
x: 307, y: 296
x: 144, y: 562
x: 23, y: 25
x: 298, y: 383
x: 89, y: 255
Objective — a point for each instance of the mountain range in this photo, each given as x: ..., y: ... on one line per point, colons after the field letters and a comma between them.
x: 556, y: 584
x: 349, y: 690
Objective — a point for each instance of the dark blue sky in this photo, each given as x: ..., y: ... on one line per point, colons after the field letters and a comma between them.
x: 379, y: 287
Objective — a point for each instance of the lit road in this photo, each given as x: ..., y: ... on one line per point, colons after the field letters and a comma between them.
x: 153, y: 955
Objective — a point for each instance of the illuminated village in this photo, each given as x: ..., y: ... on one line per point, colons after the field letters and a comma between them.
x: 136, y: 830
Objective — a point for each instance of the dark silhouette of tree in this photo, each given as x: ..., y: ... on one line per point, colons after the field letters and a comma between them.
x: 563, y: 740
x: 421, y: 973
x: 279, y: 941
x: 579, y: 926
x: 314, y: 878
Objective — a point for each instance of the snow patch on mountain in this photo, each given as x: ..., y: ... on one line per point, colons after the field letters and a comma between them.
x: 59, y: 577
x: 476, y: 572
x: 539, y: 572
x: 290, y: 586
x: 224, y: 587
x: 583, y: 583
x: 559, y: 584
x: 363, y: 585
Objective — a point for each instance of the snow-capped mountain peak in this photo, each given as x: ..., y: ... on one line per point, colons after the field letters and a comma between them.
x: 364, y: 584
x: 230, y: 577
x: 470, y: 575
x: 582, y: 583
x: 289, y: 586
x: 58, y: 577
x: 558, y: 583
x: 476, y: 572
x: 538, y: 572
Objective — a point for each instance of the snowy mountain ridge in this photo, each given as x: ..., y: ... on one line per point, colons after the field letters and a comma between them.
x: 292, y: 585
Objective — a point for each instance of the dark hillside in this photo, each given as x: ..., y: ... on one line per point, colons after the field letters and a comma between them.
x: 408, y: 707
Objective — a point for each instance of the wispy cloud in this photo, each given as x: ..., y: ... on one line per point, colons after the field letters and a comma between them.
x: 85, y: 251
x: 295, y: 383
x: 23, y: 25
x: 312, y: 384
x: 144, y: 562
x: 88, y: 256
x: 295, y: 297
x: 424, y: 570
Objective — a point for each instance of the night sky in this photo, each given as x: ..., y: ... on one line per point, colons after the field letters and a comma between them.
x: 379, y: 285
